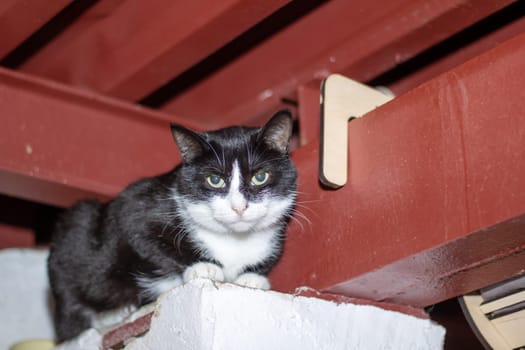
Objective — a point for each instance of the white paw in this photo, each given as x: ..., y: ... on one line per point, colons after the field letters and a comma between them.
x: 203, y: 270
x: 252, y: 280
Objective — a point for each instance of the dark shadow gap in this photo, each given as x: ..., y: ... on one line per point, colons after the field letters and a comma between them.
x: 459, y: 335
x: 31, y: 215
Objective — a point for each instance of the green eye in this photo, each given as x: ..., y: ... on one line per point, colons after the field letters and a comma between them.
x: 260, y: 178
x: 215, y: 181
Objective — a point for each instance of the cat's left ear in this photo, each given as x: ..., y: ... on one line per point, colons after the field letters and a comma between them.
x: 190, y: 144
x: 278, y: 131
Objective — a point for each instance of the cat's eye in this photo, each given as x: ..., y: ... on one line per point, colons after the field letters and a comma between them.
x: 260, y: 178
x: 215, y: 181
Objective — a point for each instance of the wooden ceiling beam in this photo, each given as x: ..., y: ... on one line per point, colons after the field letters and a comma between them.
x: 361, y: 39
x: 21, y: 18
x: 127, y: 49
x: 466, y: 52
x: 59, y: 144
x: 434, y: 206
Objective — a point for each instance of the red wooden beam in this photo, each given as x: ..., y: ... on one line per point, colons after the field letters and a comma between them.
x: 129, y: 48
x: 13, y: 237
x: 309, y: 112
x: 21, y: 18
x: 58, y: 144
x: 434, y: 206
x: 454, y: 59
x: 359, y: 38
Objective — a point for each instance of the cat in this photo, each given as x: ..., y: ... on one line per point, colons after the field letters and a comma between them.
x: 220, y: 214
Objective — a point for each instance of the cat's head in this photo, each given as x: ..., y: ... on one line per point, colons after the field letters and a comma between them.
x: 236, y: 179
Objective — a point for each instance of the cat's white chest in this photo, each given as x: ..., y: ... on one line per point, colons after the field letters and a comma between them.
x: 235, y: 252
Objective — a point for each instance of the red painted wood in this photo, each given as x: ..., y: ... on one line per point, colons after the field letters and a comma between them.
x: 360, y: 38
x: 476, y: 260
x: 454, y: 59
x: 130, y: 48
x: 20, y: 18
x: 338, y: 298
x: 12, y: 236
x: 309, y: 112
x: 434, y: 206
x: 58, y: 144
x: 116, y: 337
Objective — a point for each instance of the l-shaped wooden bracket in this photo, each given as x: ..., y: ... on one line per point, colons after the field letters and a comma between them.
x: 342, y: 100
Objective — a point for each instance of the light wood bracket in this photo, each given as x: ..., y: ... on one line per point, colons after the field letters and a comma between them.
x: 342, y: 99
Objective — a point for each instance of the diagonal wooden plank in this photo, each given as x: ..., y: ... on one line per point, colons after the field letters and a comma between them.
x: 127, y: 49
x: 434, y: 206
x: 359, y: 38
x: 21, y: 18
x: 58, y: 144
x: 16, y: 237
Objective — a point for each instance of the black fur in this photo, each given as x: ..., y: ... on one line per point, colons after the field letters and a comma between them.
x: 98, y: 250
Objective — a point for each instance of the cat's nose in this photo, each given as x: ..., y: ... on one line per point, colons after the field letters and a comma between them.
x: 239, y: 209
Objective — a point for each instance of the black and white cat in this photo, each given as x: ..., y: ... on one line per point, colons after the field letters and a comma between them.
x: 221, y: 214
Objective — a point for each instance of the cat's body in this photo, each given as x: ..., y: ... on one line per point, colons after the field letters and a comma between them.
x: 221, y: 214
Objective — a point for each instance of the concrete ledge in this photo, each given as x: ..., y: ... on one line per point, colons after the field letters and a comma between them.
x: 207, y: 315
x: 25, y: 302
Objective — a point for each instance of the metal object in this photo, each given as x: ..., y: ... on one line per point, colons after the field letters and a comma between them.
x: 497, y: 314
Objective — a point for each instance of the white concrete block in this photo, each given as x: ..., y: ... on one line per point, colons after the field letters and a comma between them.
x: 204, y: 315
x: 24, y: 301
x: 207, y: 315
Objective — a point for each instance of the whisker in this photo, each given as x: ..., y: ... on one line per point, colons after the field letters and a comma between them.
x: 311, y: 201
x: 304, y: 194
x: 170, y: 189
x: 300, y: 205
x: 177, y: 239
x: 258, y: 163
x: 165, y: 199
x: 168, y: 223
x: 249, y: 154
x: 223, y: 159
x: 301, y: 192
x: 302, y: 216
x: 222, y: 162
x: 293, y: 218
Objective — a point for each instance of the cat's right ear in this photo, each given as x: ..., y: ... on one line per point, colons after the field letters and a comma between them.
x: 190, y: 144
x: 277, y: 132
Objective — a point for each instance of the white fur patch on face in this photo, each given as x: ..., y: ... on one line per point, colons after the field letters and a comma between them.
x: 232, y: 230
x: 237, y: 201
x: 233, y: 213
x: 233, y: 210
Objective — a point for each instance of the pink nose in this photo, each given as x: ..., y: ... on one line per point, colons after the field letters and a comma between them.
x: 239, y: 210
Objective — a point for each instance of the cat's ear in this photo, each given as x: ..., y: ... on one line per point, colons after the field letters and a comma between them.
x: 190, y: 144
x: 277, y: 132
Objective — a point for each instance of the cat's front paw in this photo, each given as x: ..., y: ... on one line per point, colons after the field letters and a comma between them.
x: 203, y: 270
x: 253, y: 280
